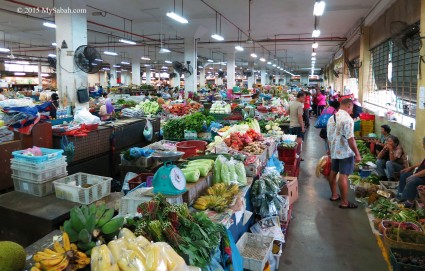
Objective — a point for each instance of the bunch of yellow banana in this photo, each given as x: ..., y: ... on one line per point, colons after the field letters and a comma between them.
x: 217, y: 203
x: 223, y: 190
x: 62, y: 256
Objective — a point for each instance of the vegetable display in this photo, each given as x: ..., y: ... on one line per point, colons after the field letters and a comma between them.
x: 197, y: 122
x: 227, y: 172
x: 149, y: 107
x: 192, y: 236
x: 182, y: 109
x: 272, y: 128
x: 174, y: 128
x: 264, y: 194
x: 217, y: 198
x: 239, y: 141
x: 220, y: 108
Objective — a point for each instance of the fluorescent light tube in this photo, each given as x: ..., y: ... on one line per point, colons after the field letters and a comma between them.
x: 147, y: 65
x: 20, y: 73
x: 315, y: 45
x: 177, y: 17
x: 110, y: 53
x: 54, y: 44
x: 319, y: 8
x: 210, y: 60
x: 217, y: 37
x: 269, y: 63
x: 254, y: 55
x: 125, y: 62
x: 313, y: 58
x: 164, y: 50
x: 239, y: 48
x: 51, y: 55
x: 4, y: 50
x: 313, y: 54
x: 98, y: 59
x: 106, y: 69
x: 274, y: 65
x: 49, y: 24
x: 262, y: 59
x: 127, y: 41
x: 44, y: 75
x: 145, y: 58
x: 168, y: 61
x: 316, y: 33
x: 116, y: 66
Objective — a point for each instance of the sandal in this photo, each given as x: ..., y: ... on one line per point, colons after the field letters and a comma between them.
x: 337, y: 199
x: 350, y: 205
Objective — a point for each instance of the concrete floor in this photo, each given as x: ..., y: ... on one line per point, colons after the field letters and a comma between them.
x: 321, y: 236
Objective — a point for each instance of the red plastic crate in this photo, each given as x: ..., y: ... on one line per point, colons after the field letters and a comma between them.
x: 286, y: 153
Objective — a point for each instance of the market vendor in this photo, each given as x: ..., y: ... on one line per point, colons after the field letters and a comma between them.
x: 380, y: 143
x: 410, y: 179
x: 106, y: 110
x: 54, y: 104
x: 392, y: 159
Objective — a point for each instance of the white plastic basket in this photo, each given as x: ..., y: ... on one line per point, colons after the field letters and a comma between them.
x: 255, y: 250
x: 83, y: 188
x: 37, y: 167
x: 39, y: 176
x: 39, y: 189
x: 134, y: 198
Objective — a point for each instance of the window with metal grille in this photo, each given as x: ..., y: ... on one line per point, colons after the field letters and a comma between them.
x: 393, y: 77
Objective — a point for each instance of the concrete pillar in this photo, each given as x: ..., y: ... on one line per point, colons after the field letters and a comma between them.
x: 231, y: 70
x: 365, y: 60
x: 419, y: 154
x: 40, y: 78
x: 135, y: 67
x: 202, y: 79
x: 103, y: 79
x: 251, y: 79
x: 190, y: 54
x: 148, y: 76
x: 71, y: 27
x: 263, y: 77
x: 113, y: 76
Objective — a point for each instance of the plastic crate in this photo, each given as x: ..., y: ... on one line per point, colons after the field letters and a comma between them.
x: 48, y: 155
x: 141, y: 178
x: 398, y: 266
x: 37, y: 167
x: 38, y: 189
x: 255, y: 250
x: 48, y: 174
x: 71, y: 188
x: 130, y: 202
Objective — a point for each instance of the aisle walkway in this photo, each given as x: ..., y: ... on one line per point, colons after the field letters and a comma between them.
x: 323, y: 237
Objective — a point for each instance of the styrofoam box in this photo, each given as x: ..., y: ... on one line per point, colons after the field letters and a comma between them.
x: 38, y: 167
x: 83, y: 188
x: 39, y: 189
x: 40, y: 176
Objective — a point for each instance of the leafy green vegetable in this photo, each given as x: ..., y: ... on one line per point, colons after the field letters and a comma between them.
x: 195, y: 121
x: 174, y: 129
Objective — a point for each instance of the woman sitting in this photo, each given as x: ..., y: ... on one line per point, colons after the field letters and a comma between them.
x: 409, y: 182
x: 391, y: 158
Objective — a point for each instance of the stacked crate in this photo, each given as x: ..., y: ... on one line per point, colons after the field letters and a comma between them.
x: 35, y: 174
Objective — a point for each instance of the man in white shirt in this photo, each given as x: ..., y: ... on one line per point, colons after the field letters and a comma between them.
x: 343, y: 151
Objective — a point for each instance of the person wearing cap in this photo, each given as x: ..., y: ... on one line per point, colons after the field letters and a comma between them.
x: 54, y: 104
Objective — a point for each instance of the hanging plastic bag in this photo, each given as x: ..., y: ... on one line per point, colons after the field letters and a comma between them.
x: 324, y: 166
x: 68, y: 149
x: 148, y: 131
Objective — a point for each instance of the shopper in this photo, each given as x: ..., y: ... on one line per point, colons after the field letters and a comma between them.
x: 390, y: 159
x: 296, y: 111
x: 380, y: 143
x: 2, y: 97
x: 315, y: 93
x: 330, y: 110
x: 357, y: 109
x: 410, y: 179
x: 307, y: 107
x: 54, y: 104
x: 343, y: 151
x: 321, y: 102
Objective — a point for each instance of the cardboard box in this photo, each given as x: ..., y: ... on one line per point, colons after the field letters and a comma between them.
x: 195, y: 190
x: 290, y: 189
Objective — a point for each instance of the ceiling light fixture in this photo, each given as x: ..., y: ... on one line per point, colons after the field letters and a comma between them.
x: 98, y: 59
x: 315, y: 45
x: 313, y: 58
x: 51, y: 55
x: 239, y: 48
x: 316, y: 33
x: 164, y: 51
x: 147, y: 65
x: 49, y: 24
x: 4, y: 50
x: 313, y: 54
x: 116, y: 66
x: 177, y: 17
x: 254, y: 55
x: 168, y: 61
x: 19, y: 73
x: 127, y: 41
x: 217, y: 35
x: 269, y: 63
x: 145, y: 58
x: 44, y: 75
x: 106, y: 69
x: 125, y: 63
x: 319, y: 8
x: 210, y: 60
x: 262, y: 59
x: 110, y: 53
x: 54, y: 44
x: 274, y: 65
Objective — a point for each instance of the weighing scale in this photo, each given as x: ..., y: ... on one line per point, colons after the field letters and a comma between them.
x: 169, y: 179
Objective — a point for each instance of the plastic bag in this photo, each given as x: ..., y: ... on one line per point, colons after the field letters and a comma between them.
x: 84, y: 116
x: 232, y: 172
x: 241, y: 173
x: 217, y: 170
x: 148, y: 131
x: 225, y: 173
x: 324, y: 166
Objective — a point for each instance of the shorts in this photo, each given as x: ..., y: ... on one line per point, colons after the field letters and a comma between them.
x: 343, y: 166
x: 296, y: 131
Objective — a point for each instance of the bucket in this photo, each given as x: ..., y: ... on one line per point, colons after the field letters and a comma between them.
x: 192, y: 147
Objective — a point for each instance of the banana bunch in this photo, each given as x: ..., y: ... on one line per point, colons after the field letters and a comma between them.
x: 217, y: 203
x: 102, y: 259
x: 63, y: 256
x: 226, y: 191
x: 89, y: 224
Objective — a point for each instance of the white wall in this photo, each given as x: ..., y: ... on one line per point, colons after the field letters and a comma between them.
x: 93, y: 79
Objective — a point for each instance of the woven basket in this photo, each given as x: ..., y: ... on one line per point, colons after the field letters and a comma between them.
x: 390, y: 243
x: 383, y: 225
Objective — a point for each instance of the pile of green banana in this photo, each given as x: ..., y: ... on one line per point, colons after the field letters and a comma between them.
x: 89, y: 224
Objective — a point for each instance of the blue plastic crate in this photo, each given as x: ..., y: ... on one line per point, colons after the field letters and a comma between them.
x: 48, y: 155
x: 365, y: 173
